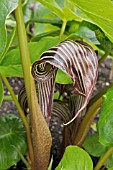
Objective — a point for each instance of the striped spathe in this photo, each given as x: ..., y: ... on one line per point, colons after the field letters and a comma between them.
x: 75, y: 58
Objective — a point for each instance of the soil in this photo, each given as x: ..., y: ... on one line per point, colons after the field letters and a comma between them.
x: 16, y: 83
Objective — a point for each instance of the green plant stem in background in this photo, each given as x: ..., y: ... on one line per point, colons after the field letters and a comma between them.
x: 87, y: 121
x: 44, y: 21
x: 98, y: 95
x: 8, y: 98
x: 103, y: 58
x: 20, y: 112
x: 22, y: 158
x: 63, y: 27
x: 103, y: 159
x: 26, y: 63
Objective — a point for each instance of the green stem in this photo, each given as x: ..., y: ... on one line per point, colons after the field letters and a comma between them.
x: 103, y: 58
x: 103, y: 159
x: 98, y: 95
x: 22, y: 158
x: 63, y: 27
x: 9, y: 98
x: 40, y: 153
x: 86, y: 122
x: 26, y: 63
x: 20, y: 112
x: 44, y: 21
x: 111, y: 71
x: 50, y: 164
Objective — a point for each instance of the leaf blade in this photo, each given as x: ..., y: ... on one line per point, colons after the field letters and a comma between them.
x: 106, y: 119
x: 93, y: 147
x: 6, y: 7
x: 75, y: 158
x: 99, y: 13
x: 12, y: 133
x: 54, y: 7
x: 11, y: 62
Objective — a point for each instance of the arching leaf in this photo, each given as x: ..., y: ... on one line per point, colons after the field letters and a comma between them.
x: 75, y: 58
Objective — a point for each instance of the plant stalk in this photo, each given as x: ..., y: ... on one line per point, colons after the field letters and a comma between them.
x: 44, y: 21
x: 98, y: 95
x: 103, y: 58
x: 9, y: 98
x: 41, y: 136
x: 22, y: 158
x: 86, y: 122
x: 26, y: 63
x: 63, y: 28
x: 103, y: 159
x: 21, y: 112
x: 93, y: 108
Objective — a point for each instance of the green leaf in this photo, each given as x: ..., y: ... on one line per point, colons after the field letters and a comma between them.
x: 105, y: 124
x: 60, y: 3
x: 12, y: 133
x: 44, y: 20
x: 74, y: 25
x: 56, y: 95
x: 109, y: 162
x: 9, y: 41
x: 100, y: 13
x: 39, y: 36
x: 62, y: 9
x: 11, y: 63
x: 105, y: 43
x: 110, y: 168
x: 82, y: 15
x: 1, y: 92
x: 6, y: 7
x: 86, y: 31
x: 93, y: 147
x: 96, y: 149
x: 69, y: 11
x: 11, y: 71
x: 54, y: 7
x: 69, y: 14
x: 63, y: 78
x: 75, y: 158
